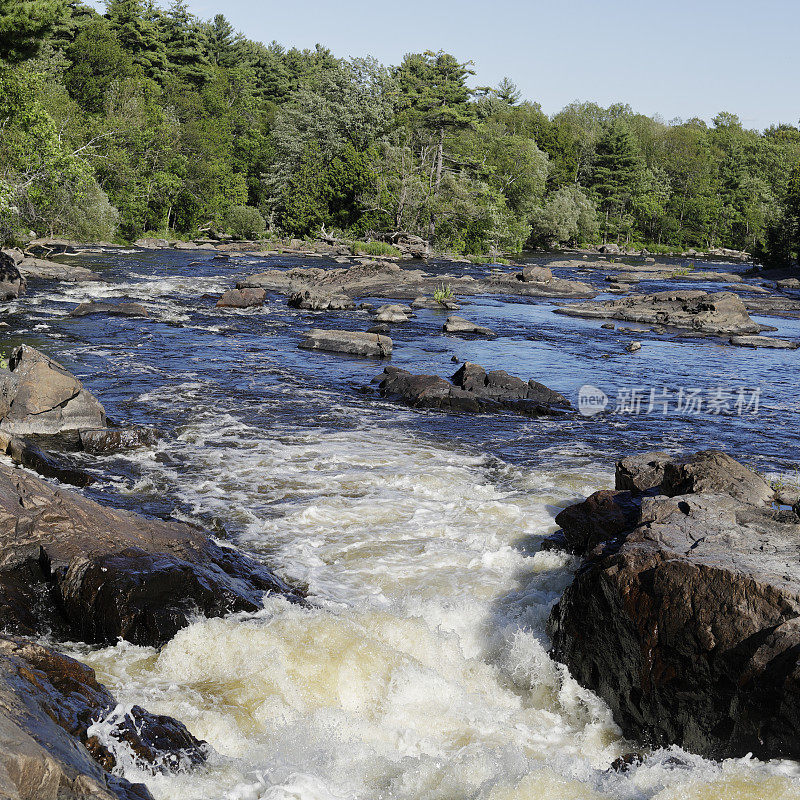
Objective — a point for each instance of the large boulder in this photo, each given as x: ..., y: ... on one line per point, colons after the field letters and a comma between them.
x: 472, y: 389
x: 704, y: 312
x: 357, y: 343
x: 313, y: 300
x: 95, y: 574
x: 12, y: 284
x: 242, y: 298
x: 639, y: 473
x: 48, y: 704
x: 39, y: 396
x: 533, y: 273
x: 685, y: 613
x: 111, y: 440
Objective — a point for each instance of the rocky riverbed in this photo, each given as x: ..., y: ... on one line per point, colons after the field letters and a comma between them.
x: 338, y: 572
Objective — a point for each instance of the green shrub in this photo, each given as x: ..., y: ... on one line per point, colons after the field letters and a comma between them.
x: 443, y: 293
x: 245, y: 222
x: 374, y: 249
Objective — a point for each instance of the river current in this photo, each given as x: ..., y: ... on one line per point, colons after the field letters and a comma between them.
x: 421, y: 670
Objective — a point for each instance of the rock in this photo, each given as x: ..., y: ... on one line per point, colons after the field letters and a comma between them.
x: 435, y: 305
x: 763, y: 341
x: 53, y: 271
x: 111, y: 440
x: 640, y: 473
x: 687, y: 625
x: 12, y: 284
x: 354, y: 342
x: 29, y: 455
x: 472, y: 390
x: 609, y: 248
x: 242, y: 298
x: 600, y: 518
x: 85, y: 572
x: 534, y: 272
x: 44, y: 398
x: 460, y: 325
x: 394, y: 313
x: 382, y: 328
x: 318, y: 301
x: 118, y: 309
x: 788, y: 283
x: 708, y: 312
x: 48, y: 703
x: 409, y: 245
x: 632, y: 347
x: 150, y: 243
x: 609, y: 326
x: 715, y: 472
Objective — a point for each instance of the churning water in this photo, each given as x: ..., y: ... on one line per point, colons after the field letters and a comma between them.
x: 421, y: 671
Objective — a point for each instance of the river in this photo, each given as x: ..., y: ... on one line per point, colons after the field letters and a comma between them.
x: 421, y: 671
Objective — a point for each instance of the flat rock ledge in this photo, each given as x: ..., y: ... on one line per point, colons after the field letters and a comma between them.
x: 48, y: 705
x: 357, y: 343
x: 90, y: 573
x: 472, y: 389
x: 721, y: 313
x: 685, y: 612
x: 764, y: 341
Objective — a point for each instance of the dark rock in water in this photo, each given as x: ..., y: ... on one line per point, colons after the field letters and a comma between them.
x: 312, y: 300
x: 382, y: 328
x: 43, y: 269
x: 242, y: 298
x: 21, y: 451
x: 608, y: 326
x: 704, y: 312
x: 356, y: 343
x: 456, y: 360
x: 715, y: 472
x: 533, y: 273
x: 684, y: 616
x: 39, y: 396
x: 459, y: 325
x: 47, y: 704
x: 633, y: 347
x: 95, y: 574
x: 12, y: 284
x: 112, y: 440
x: 117, y: 309
x: 641, y: 472
x: 472, y: 390
x: 763, y: 341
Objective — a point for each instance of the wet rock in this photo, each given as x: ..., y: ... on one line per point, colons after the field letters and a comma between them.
x: 111, y: 440
x: 609, y: 326
x: 242, y: 298
x: 48, y: 703
x: 533, y: 273
x: 51, y: 270
x: 788, y: 283
x: 118, y: 309
x: 459, y: 325
x: 632, y: 347
x: 601, y: 517
x: 95, y: 574
x: 708, y: 312
x: 12, y: 284
x: 763, y: 341
x: 356, y: 343
x: 381, y: 328
x: 28, y: 454
x: 44, y: 398
x: 394, y: 313
x: 715, y: 472
x: 472, y: 389
x: 640, y: 473
x: 320, y: 301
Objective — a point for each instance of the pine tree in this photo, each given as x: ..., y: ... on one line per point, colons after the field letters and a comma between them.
x: 134, y: 22
x: 221, y: 42
x: 23, y: 26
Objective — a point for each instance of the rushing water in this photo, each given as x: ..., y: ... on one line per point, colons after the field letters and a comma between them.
x: 421, y: 671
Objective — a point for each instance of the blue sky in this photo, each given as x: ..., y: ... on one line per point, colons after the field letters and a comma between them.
x: 673, y: 57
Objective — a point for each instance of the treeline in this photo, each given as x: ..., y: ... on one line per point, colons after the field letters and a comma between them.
x: 146, y: 119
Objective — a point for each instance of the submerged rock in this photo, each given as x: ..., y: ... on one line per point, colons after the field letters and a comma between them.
x: 118, y: 309
x: 472, y: 389
x: 95, y: 574
x: 48, y: 703
x: 705, y: 312
x: 356, y: 343
x: 112, y: 440
x: 684, y: 614
x: 30, y: 455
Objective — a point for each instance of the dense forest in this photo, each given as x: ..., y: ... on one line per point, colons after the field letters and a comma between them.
x: 146, y: 119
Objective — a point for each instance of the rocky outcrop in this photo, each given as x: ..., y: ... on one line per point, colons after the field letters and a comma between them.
x: 763, y: 341
x: 39, y: 396
x: 461, y: 326
x: 12, y: 284
x: 685, y: 613
x: 48, y: 750
x: 122, y: 309
x: 312, y: 300
x: 355, y: 343
x: 472, y: 389
x: 704, y: 312
x: 95, y: 574
x: 640, y: 473
x: 42, y: 269
x: 242, y: 298
x: 30, y: 455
